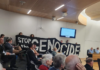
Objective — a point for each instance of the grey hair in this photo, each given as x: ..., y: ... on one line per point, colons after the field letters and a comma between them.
x: 0, y: 67
x: 59, y: 60
x: 71, y: 65
x: 45, y: 58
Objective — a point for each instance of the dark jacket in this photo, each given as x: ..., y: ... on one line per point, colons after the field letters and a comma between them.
x: 1, y: 49
x: 8, y: 47
x: 32, y: 57
x: 88, y: 67
x: 53, y: 68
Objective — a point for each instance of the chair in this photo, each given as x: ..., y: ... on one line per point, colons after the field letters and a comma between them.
x: 89, y: 55
x: 99, y: 63
x: 30, y: 65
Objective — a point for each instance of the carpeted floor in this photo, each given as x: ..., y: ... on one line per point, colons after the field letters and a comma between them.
x: 21, y: 65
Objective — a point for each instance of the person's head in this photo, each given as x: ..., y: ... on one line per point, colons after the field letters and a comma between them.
x: 32, y: 35
x: 97, y: 48
x: 89, y: 61
x: 32, y: 46
x: 71, y: 62
x: 2, y: 35
x: 9, y: 40
x: 1, y: 40
x: 55, y: 49
x: 91, y: 48
x: 59, y: 61
x: 67, y: 41
x: 61, y: 41
x: 47, y: 59
x: 20, y: 33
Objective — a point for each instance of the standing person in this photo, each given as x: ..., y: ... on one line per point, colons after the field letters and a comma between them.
x: 6, y: 56
x: 20, y: 33
x: 61, y: 41
x: 54, y: 52
x: 46, y: 62
x: 67, y: 41
x: 97, y: 50
x: 32, y: 35
x: 89, y: 64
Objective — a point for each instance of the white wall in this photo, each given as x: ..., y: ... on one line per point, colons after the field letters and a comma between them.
x: 13, y: 23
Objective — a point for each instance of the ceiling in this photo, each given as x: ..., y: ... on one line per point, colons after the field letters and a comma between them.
x: 46, y: 8
x: 93, y: 11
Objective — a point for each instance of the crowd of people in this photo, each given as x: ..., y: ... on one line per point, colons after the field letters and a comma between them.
x: 50, y: 61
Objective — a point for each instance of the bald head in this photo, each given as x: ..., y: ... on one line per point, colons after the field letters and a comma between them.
x: 71, y: 62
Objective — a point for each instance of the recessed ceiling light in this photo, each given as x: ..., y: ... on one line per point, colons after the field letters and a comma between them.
x: 59, y: 7
x: 29, y: 11
x: 60, y: 18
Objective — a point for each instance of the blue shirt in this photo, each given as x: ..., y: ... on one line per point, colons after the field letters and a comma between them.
x: 91, y: 51
x: 53, y: 68
x: 97, y: 51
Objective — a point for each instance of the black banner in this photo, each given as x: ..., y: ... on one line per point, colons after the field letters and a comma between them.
x: 47, y: 45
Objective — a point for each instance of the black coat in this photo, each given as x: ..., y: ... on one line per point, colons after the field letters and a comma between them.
x: 1, y: 49
x: 88, y: 67
x: 32, y: 57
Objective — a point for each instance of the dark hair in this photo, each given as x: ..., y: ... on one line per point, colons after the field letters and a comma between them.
x: 20, y: 33
x: 2, y: 35
x: 8, y: 39
x: 30, y: 45
x: 31, y: 35
x: 97, y: 47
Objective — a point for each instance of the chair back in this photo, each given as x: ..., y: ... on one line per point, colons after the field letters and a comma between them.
x: 87, y: 52
x: 99, y: 63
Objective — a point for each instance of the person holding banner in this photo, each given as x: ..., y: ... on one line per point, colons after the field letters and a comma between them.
x: 20, y: 33
x: 32, y: 35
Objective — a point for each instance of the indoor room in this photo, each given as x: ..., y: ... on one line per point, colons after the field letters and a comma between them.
x: 49, y: 34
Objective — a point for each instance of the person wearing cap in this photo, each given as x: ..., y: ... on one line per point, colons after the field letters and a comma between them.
x: 89, y: 64
x: 97, y: 50
x: 32, y: 55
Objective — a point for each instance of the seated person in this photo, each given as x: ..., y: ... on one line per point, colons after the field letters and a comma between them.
x: 97, y: 50
x: 6, y: 56
x: 13, y: 49
x: 34, y: 49
x: 58, y: 62
x: 20, y: 33
x: 89, y: 64
x: 91, y: 51
x: 54, y: 52
x: 72, y: 62
x: 46, y: 62
x: 32, y: 35
x: 2, y: 36
x: 32, y: 55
